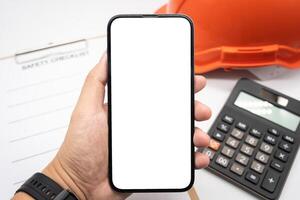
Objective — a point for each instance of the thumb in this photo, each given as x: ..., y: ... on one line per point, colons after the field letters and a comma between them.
x: 93, y: 91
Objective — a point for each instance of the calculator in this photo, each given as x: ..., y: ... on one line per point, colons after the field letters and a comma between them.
x: 255, y: 139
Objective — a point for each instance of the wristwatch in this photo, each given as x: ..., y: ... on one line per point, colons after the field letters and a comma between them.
x: 41, y: 187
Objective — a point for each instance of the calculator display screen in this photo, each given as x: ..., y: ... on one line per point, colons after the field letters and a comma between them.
x: 268, y: 111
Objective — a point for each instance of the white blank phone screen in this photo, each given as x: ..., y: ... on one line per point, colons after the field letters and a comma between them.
x: 151, y: 102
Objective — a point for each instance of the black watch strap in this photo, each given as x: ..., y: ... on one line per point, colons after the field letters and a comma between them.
x: 42, y: 187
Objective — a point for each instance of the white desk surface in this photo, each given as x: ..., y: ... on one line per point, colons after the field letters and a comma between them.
x: 33, y: 23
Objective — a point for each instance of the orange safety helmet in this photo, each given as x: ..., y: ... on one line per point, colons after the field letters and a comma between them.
x: 242, y: 33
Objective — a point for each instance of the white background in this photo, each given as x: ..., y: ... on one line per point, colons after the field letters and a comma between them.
x: 32, y: 23
x: 151, y: 103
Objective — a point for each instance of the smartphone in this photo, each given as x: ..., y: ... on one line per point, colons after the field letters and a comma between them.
x: 150, y: 103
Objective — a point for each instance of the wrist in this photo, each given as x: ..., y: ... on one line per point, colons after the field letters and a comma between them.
x: 58, y: 173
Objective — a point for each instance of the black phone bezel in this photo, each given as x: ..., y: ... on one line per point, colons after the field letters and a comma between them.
x: 109, y: 102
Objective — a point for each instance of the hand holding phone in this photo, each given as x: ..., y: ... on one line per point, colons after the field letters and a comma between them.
x: 84, y: 152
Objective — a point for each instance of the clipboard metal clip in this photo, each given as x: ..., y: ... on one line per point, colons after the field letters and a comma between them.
x: 51, y: 51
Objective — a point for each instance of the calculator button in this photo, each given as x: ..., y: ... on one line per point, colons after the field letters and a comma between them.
x: 237, y: 133
x: 228, y: 119
x: 213, y: 144
x: 223, y: 127
x: 238, y: 169
x: 267, y: 148
x: 258, y: 167
x: 242, y: 126
x: 218, y: 136
x: 223, y: 161
x: 209, y: 152
x: 277, y: 165
x: 281, y: 156
x: 247, y: 150
x: 270, y: 181
x: 227, y: 151
x: 255, y: 133
x: 251, y: 140
x: 232, y: 142
x: 273, y: 131
x: 285, y: 146
x: 262, y: 157
x: 270, y: 139
x: 242, y: 159
x: 288, y: 138
x: 253, y: 178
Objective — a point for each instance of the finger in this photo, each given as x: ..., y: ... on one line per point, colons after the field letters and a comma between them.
x: 202, y: 112
x: 93, y: 91
x: 105, y: 107
x: 201, y: 139
x: 200, y: 82
x: 201, y: 160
